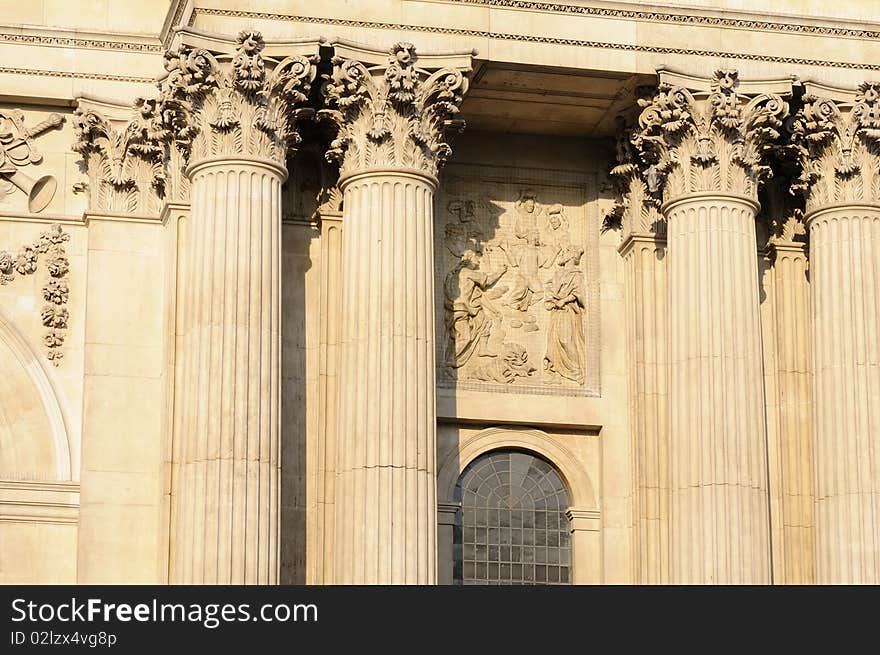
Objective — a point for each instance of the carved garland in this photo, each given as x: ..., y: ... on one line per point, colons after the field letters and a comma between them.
x: 394, y: 115
x: 56, y: 291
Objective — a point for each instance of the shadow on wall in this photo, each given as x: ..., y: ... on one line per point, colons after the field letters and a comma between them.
x: 298, y: 237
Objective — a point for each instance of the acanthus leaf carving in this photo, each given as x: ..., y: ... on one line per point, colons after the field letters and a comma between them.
x: 395, y: 115
x: 695, y: 141
x: 838, y: 144
x: 125, y: 166
x: 243, y: 104
x: 638, y: 199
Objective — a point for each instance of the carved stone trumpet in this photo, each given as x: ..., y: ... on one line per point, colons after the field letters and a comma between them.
x: 39, y: 192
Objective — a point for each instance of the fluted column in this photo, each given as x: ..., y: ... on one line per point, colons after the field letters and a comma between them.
x: 718, y: 467
x: 236, y: 119
x: 706, y: 146
x: 845, y: 252
x: 229, y: 492
x: 386, y: 477
x: 838, y: 133
x: 644, y: 259
x: 790, y: 330
x: 391, y: 119
x: 643, y: 249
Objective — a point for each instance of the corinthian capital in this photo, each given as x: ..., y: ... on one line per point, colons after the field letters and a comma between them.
x: 123, y: 155
x: 637, y: 209
x: 390, y: 112
x: 710, y: 135
x: 238, y: 98
x: 837, y: 136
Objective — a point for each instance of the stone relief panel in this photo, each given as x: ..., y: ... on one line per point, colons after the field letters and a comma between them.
x: 517, y: 296
x: 19, y: 150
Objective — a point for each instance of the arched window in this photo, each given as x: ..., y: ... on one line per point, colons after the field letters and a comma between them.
x: 512, y: 527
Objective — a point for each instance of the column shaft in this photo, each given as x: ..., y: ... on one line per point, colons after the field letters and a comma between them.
x: 790, y: 330
x: 328, y: 378
x: 386, y: 509
x: 719, y: 523
x: 227, y: 503
x: 644, y: 261
x: 845, y: 268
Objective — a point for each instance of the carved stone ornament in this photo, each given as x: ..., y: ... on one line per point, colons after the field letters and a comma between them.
x: 394, y: 114
x: 716, y: 139
x: 211, y: 103
x: 637, y: 209
x: 17, y: 150
x: 56, y: 291
x: 217, y: 104
x: 125, y: 164
x: 516, y: 275
x: 838, y: 143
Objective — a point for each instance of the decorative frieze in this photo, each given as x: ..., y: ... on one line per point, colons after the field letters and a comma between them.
x: 710, y: 139
x: 56, y: 291
x: 393, y: 114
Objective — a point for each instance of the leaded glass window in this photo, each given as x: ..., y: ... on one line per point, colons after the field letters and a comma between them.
x: 512, y: 527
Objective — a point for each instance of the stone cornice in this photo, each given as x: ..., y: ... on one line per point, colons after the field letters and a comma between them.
x: 78, y: 75
x: 729, y: 18
x: 529, y: 38
x: 173, y: 19
x: 587, y: 520
x: 61, y: 38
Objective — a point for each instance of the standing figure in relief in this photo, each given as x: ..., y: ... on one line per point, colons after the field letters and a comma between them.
x: 527, y: 213
x: 565, y: 300
x: 526, y: 256
x: 462, y: 234
x: 557, y: 237
x: 469, y: 319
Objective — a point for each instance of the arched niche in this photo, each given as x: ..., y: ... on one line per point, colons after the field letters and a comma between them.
x: 33, y: 437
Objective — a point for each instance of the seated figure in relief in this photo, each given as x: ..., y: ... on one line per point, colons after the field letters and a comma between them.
x: 470, y: 316
x: 565, y: 299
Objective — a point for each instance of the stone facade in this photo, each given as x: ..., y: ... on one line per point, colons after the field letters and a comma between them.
x: 460, y: 291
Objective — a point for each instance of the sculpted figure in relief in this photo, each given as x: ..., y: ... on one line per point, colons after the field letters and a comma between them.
x: 525, y: 255
x: 565, y: 300
x: 470, y: 315
x: 510, y: 364
x: 462, y: 234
